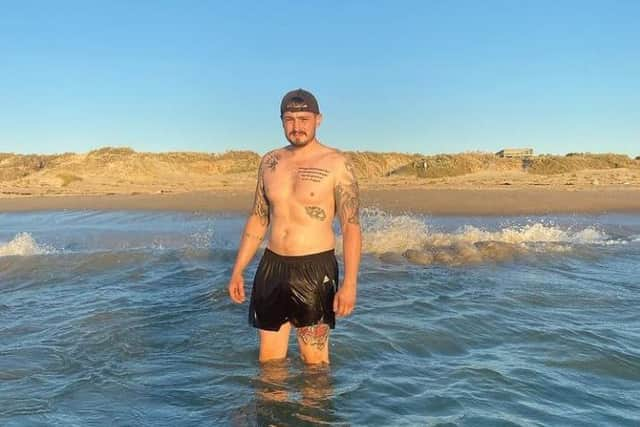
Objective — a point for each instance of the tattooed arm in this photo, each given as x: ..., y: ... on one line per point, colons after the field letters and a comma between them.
x: 347, y: 199
x: 253, y: 233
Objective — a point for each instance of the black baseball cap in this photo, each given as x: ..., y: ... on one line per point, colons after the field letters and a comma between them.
x: 299, y: 100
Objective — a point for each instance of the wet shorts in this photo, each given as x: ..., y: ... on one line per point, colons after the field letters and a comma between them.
x: 296, y: 289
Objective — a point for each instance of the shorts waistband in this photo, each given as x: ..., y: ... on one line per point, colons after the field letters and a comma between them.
x: 299, y: 258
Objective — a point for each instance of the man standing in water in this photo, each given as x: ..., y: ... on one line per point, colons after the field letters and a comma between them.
x: 300, y: 189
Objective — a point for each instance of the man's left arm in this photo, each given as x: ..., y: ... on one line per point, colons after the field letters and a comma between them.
x: 347, y: 200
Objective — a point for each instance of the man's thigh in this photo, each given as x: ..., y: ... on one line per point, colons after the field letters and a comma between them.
x: 314, y: 343
x: 274, y: 344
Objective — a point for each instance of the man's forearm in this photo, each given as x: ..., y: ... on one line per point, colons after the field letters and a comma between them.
x: 252, y: 235
x: 351, y: 248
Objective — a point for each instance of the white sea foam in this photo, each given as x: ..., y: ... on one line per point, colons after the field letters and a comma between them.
x: 24, y: 244
x: 590, y: 236
x: 383, y: 232
x: 394, y: 237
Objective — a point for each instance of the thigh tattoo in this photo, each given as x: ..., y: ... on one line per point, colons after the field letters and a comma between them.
x: 315, y: 335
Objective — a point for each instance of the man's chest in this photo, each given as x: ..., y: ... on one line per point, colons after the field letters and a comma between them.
x: 302, y: 183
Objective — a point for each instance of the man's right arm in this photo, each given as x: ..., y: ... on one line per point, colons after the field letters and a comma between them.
x: 252, y: 235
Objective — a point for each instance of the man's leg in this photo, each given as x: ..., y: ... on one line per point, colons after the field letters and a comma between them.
x: 272, y: 382
x: 314, y: 343
x: 273, y: 344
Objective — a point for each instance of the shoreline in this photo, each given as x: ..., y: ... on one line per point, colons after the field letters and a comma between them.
x: 440, y: 202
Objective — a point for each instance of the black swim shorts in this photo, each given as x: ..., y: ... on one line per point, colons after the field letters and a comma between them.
x: 296, y: 289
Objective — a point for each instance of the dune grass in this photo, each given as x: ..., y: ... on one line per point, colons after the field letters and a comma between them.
x: 573, y: 162
x: 68, y: 178
x: 107, y: 161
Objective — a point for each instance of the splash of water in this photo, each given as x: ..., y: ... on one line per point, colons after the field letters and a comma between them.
x: 23, y: 244
x: 383, y: 232
x: 398, y: 238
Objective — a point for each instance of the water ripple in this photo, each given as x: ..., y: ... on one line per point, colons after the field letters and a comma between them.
x: 128, y: 322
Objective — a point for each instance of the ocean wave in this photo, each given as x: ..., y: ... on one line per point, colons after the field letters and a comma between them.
x: 23, y: 244
x: 395, y: 238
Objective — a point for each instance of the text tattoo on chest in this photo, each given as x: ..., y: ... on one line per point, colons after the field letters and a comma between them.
x: 312, y: 174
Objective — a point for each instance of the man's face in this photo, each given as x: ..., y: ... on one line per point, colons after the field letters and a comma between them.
x: 300, y: 127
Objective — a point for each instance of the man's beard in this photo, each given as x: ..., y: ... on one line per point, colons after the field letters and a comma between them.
x: 300, y: 139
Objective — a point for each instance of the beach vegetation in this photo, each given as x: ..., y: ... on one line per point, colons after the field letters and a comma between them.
x: 15, y: 166
x: 232, y: 162
x: 112, y: 151
x: 68, y: 178
x: 147, y: 168
x: 368, y: 164
x: 229, y: 162
x: 448, y: 165
x: 550, y: 165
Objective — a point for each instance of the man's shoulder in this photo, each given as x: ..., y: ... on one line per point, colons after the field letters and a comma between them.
x: 276, y: 152
x: 271, y: 158
x: 343, y: 165
x: 336, y: 156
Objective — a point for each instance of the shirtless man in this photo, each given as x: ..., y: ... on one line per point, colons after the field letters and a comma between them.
x: 300, y: 189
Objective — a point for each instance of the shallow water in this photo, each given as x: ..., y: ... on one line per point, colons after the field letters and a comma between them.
x: 122, y: 318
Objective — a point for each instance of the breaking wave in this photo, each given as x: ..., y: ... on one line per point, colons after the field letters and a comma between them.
x: 24, y: 244
x: 400, y: 238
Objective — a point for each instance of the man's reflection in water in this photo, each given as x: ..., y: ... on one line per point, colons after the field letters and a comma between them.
x: 317, y: 389
x: 288, y: 395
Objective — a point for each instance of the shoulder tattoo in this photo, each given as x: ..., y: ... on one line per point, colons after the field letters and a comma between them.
x: 271, y: 161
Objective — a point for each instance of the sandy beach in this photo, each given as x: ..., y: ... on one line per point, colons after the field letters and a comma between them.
x: 417, y: 200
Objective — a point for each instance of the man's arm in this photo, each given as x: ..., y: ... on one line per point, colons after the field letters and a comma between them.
x: 254, y: 231
x: 347, y: 199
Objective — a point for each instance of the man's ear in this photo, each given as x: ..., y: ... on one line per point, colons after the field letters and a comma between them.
x: 318, y: 120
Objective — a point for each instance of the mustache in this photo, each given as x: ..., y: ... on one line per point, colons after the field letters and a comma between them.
x: 297, y: 133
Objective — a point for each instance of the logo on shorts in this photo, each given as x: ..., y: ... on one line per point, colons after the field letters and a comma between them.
x: 327, y: 280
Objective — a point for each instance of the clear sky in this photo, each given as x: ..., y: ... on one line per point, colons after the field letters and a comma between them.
x: 410, y: 76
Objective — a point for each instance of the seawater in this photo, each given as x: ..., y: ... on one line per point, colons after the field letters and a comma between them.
x: 122, y: 318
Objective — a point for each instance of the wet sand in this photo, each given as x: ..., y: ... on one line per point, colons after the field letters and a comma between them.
x: 417, y: 200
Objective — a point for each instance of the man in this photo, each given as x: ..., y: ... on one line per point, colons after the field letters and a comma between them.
x: 300, y: 189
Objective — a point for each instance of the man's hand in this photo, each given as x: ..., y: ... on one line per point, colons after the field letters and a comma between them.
x: 236, y: 288
x: 345, y: 300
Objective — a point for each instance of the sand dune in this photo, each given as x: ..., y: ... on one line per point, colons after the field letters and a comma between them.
x: 125, y: 171
x: 483, y: 181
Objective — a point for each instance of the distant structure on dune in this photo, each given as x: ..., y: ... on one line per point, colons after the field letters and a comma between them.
x: 515, y: 152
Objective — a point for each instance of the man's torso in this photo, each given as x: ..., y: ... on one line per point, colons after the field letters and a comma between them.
x: 301, y: 200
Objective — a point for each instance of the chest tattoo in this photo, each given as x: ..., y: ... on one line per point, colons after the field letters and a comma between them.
x: 312, y: 174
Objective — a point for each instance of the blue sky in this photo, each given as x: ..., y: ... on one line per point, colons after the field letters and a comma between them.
x: 409, y: 76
